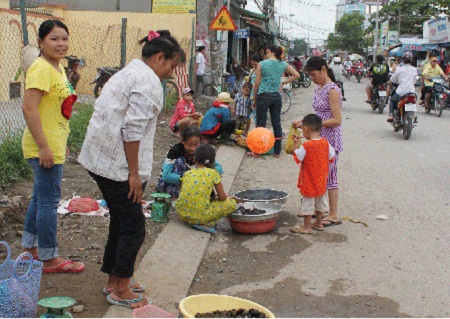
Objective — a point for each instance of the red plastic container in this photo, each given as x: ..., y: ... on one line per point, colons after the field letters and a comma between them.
x: 252, y: 227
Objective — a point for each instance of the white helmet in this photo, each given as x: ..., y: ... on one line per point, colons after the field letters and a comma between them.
x: 337, y: 59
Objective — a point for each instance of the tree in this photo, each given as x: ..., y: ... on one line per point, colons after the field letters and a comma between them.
x: 300, y: 47
x: 349, y: 34
x: 413, y: 14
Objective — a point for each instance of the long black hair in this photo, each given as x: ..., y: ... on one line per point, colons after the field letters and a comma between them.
x: 190, y: 131
x: 316, y: 63
x: 277, y: 50
x: 163, y: 43
x: 48, y: 25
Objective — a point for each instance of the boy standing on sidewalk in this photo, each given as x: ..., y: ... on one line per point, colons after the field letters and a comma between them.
x: 314, y: 157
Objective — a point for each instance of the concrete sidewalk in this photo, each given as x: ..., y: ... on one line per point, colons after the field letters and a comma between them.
x: 168, y: 268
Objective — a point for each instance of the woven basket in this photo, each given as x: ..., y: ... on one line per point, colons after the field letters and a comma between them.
x: 204, y: 303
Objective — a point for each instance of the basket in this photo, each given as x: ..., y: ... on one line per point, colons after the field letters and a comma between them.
x: 204, y: 303
x: 20, y: 282
x: 252, y: 227
x: 151, y: 312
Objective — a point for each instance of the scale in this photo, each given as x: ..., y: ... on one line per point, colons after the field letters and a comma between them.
x: 160, y: 208
x: 56, y: 307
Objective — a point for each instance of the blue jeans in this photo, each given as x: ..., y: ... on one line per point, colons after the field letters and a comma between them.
x: 393, y: 103
x: 271, y: 102
x: 41, y: 218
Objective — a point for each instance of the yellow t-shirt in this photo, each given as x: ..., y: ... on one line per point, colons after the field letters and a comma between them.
x: 43, y: 76
x: 428, y: 70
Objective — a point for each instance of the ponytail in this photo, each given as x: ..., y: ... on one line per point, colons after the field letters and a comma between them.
x: 317, y: 63
x: 277, y: 50
x: 162, y: 41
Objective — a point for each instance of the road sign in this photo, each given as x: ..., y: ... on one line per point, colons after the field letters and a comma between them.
x: 223, y: 21
x: 242, y: 34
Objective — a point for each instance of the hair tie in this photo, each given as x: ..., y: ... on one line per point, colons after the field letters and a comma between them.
x: 207, y: 162
x: 152, y: 35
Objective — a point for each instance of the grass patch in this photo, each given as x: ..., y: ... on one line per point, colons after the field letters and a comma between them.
x: 13, y: 167
x: 78, y: 126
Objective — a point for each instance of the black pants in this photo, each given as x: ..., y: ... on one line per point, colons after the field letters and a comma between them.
x: 126, y: 228
x: 225, y: 128
x: 270, y: 101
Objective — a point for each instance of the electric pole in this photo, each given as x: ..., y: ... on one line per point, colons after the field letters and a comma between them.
x: 307, y: 48
x: 399, y: 21
x: 375, y: 51
x: 118, y: 5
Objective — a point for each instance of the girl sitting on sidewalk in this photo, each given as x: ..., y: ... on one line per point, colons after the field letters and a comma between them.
x: 195, y: 204
x: 179, y: 160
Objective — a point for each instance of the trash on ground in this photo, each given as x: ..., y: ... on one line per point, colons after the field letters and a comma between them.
x: 354, y: 221
x: 382, y: 217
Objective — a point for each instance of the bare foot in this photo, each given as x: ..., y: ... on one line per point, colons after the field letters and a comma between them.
x: 251, y: 154
x: 301, y: 230
x: 33, y: 251
x: 276, y: 155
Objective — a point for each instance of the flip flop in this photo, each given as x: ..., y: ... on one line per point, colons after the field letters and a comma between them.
x: 299, y: 230
x: 61, y: 268
x: 106, y: 292
x: 331, y: 223
x: 125, y: 303
x: 204, y: 228
x: 317, y: 228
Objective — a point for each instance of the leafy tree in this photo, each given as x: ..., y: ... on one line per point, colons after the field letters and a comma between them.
x: 349, y: 34
x: 300, y: 47
x: 413, y: 14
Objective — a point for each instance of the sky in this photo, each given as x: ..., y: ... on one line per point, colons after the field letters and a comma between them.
x: 318, y: 15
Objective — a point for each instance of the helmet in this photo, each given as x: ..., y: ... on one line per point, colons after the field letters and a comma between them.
x: 408, y: 57
x: 337, y: 59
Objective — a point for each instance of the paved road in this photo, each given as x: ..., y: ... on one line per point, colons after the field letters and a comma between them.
x: 398, y: 267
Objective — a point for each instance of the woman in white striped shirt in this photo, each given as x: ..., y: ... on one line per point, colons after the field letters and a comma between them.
x: 118, y: 153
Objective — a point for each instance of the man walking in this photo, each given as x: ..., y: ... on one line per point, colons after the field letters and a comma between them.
x: 200, y: 65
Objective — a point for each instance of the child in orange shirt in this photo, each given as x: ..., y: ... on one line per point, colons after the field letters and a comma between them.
x: 314, y: 157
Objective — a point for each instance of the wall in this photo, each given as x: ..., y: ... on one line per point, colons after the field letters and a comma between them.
x: 104, y: 5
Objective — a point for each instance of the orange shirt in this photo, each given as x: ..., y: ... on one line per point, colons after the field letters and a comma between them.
x: 314, y: 156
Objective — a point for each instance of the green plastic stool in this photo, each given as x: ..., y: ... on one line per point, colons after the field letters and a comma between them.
x: 160, y: 208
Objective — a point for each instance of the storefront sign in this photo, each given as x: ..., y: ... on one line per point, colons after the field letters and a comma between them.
x: 173, y: 6
x: 392, y: 37
x: 439, y: 30
x: 384, y: 34
x: 242, y: 34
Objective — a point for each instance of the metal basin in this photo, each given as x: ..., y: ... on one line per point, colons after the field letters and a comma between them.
x: 272, y: 211
x: 262, y: 195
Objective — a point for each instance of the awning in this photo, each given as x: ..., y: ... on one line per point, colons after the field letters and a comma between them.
x: 415, y: 44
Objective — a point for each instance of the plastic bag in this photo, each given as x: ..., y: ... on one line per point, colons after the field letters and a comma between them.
x: 289, y: 149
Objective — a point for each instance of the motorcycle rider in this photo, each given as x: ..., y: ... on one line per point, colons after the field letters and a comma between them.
x: 404, y: 76
x: 338, y: 71
x: 380, y: 75
x: 430, y: 71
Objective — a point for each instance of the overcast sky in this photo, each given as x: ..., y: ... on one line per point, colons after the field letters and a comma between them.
x: 318, y: 14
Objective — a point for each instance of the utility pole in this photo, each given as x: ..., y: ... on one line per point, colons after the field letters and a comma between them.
x: 399, y: 21
x: 118, y: 5
x: 375, y: 52
x: 307, y: 48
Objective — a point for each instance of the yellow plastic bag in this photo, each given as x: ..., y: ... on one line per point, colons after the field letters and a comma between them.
x: 289, y: 149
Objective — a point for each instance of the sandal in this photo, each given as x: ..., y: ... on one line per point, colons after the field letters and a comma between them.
x: 62, y: 268
x: 132, y: 282
x: 331, y: 223
x: 126, y: 303
x: 206, y: 229
x: 317, y: 228
x: 300, y: 230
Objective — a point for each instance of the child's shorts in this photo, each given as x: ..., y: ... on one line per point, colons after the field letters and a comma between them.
x: 311, y: 204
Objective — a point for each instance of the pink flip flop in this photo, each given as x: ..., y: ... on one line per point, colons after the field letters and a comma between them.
x: 62, y: 268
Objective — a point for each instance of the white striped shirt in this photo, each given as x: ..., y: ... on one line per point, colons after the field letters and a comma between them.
x: 126, y: 111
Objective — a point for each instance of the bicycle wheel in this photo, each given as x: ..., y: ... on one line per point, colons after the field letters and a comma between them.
x: 285, y: 102
x: 170, y: 94
x: 210, y: 90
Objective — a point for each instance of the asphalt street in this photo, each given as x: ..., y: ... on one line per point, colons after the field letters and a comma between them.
x: 395, y: 267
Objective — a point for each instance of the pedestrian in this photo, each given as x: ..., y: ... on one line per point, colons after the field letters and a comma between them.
x: 267, y: 95
x: 195, y: 204
x: 217, y: 121
x: 184, y: 114
x: 314, y: 156
x: 327, y: 103
x: 200, y: 66
x: 179, y: 160
x: 339, y: 71
x: 118, y: 154
x: 244, y: 108
x: 47, y: 108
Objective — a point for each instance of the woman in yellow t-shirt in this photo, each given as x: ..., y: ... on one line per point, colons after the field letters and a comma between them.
x: 47, y: 108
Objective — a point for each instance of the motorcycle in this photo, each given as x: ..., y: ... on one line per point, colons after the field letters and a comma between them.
x: 348, y: 73
x: 103, y: 75
x: 304, y: 80
x: 438, y: 97
x: 73, y: 63
x: 379, y: 97
x: 404, y: 113
x: 358, y: 73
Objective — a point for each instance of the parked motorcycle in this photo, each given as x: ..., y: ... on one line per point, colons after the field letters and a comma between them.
x: 73, y: 63
x: 379, y: 97
x: 404, y: 113
x: 103, y: 75
x: 304, y: 80
x: 438, y: 97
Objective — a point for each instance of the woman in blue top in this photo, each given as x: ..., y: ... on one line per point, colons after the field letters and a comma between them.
x: 267, y: 89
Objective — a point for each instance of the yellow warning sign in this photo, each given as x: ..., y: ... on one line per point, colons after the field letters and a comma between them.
x: 223, y: 21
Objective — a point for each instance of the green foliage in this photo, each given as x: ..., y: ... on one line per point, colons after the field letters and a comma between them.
x: 78, y: 125
x: 349, y: 34
x: 13, y: 167
x: 413, y: 14
x: 300, y: 48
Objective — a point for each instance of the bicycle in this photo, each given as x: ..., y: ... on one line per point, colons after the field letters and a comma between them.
x: 286, y: 101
